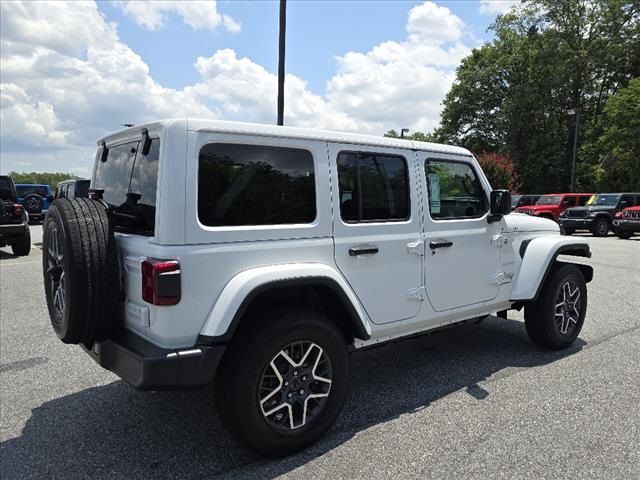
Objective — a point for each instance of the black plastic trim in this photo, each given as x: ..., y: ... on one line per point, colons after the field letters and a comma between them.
x: 146, y: 366
x: 578, y: 250
x: 355, y: 320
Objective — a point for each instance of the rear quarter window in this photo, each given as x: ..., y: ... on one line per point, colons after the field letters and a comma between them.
x: 255, y: 185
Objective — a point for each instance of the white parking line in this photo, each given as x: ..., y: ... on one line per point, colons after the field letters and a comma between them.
x: 13, y: 264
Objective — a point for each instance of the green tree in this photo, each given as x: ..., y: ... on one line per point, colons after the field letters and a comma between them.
x: 47, y: 178
x: 500, y: 171
x: 513, y: 94
x: 619, y: 166
x: 418, y: 136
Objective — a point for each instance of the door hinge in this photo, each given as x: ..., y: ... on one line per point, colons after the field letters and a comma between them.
x: 416, y: 248
x: 499, y: 241
x: 416, y: 294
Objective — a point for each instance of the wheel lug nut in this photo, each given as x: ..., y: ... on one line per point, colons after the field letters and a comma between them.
x: 304, y: 378
x: 301, y: 392
x: 295, y: 373
x: 289, y: 395
x: 286, y: 382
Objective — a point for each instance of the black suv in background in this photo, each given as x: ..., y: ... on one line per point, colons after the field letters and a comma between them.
x: 72, y: 189
x: 523, y: 200
x: 597, y: 216
x: 14, y: 221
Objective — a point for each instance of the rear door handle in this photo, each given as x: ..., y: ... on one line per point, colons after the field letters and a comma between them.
x: 440, y: 244
x: 363, y: 250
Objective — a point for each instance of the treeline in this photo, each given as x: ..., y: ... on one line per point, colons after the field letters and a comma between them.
x: 48, y: 178
x: 553, y: 61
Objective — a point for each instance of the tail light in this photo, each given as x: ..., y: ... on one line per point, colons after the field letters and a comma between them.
x: 161, y: 282
x: 17, y: 210
x: 618, y: 214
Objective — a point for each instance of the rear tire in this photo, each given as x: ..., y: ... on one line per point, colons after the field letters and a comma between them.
x: 600, y: 227
x: 248, y: 387
x: 624, y: 234
x: 555, y: 318
x: 22, y: 246
x: 80, y: 267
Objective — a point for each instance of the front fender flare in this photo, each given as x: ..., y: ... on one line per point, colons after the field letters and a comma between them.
x: 242, y: 288
x: 539, y: 255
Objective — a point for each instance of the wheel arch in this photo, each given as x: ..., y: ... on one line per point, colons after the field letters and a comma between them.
x: 538, y: 257
x: 315, y: 285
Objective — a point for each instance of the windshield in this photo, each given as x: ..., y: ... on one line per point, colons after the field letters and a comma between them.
x: 24, y: 190
x: 604, y: 201
x: 129, y: 180
x: 549, y: 200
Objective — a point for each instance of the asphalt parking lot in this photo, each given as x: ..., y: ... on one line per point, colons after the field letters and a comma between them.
x: 478, y: 401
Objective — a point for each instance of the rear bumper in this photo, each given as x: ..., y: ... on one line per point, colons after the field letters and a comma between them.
x: 148, y: 367
x: 13, y: 229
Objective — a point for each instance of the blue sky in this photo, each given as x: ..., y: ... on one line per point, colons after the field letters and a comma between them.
x: 317, y: 32
x: 75, y: 71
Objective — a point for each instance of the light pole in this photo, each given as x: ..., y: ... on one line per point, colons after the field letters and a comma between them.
x: 283, y: 28
x: 574, y: 112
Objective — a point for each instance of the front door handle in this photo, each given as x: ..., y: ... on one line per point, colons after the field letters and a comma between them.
x: 363, y: 250
x: 440, y: 244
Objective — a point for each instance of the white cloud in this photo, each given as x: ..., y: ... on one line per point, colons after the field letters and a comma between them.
x: 198, y: 14
x: 394, y: 85
x: 493, y: 7
x: 68, y: 79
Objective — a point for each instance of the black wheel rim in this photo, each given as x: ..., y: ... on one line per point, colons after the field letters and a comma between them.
x: 295, y: 385
x: 55, y: 272
x: 568, y: 307
x: 602, y: 228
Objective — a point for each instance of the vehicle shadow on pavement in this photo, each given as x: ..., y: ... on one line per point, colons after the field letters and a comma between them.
x: 117, y: 432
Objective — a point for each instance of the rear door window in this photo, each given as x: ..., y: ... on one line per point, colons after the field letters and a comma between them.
x: 373, y: 187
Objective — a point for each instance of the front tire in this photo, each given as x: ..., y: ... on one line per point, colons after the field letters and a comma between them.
x: 600, y: 227
x: 555, y: 318
x: 283, y: 381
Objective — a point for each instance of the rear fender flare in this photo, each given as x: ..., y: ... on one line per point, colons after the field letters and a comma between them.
x: 243, y: 287
x: 538, y: 258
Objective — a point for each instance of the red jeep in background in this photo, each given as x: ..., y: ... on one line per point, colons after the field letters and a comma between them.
x: 627, y: 222
x: 553, y: 204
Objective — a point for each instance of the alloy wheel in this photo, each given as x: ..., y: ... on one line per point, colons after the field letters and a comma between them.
x: 55, y: 271
x: 568, y: 308
x: 295, y: 385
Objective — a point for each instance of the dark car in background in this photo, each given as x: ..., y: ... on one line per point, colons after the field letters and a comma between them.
x: 523, y: 200
x: 78, y: 188
x: 35, y: 198
x: 14, y: 221
x: 597, y: 216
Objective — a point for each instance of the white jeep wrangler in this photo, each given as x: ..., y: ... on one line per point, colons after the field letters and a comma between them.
x: 259, y: 257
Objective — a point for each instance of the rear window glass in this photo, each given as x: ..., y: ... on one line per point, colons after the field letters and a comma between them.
x: 255, y: 185
x: 129, y: 180
x: 82, y: 188
x: 24, y: 190
x: 5, y: 189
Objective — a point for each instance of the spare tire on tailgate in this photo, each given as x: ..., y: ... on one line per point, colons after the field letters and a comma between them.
x: 80, y: 267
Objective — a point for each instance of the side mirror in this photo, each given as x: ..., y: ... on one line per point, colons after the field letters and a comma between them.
x: 500, y: 204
